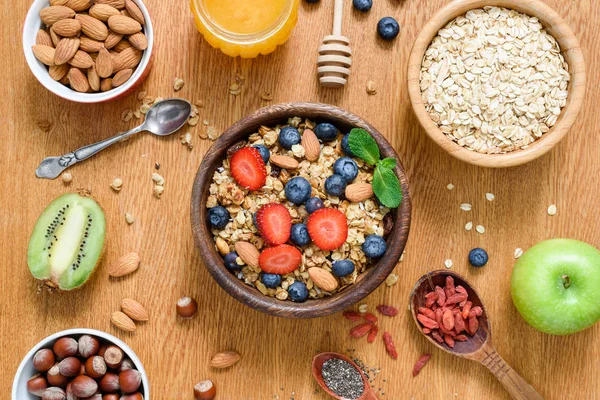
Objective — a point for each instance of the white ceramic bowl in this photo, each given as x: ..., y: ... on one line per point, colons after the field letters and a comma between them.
x: 33, y: 23
x: 26, y: 369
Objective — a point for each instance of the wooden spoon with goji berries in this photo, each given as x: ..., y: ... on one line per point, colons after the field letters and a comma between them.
x: 343, y: 383
x: 451, y: 315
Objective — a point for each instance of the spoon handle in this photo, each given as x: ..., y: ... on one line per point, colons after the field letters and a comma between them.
x: 515, y: 385
x: 52, y: 167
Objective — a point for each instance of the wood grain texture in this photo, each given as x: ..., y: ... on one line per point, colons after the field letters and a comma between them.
x: 278, y: 352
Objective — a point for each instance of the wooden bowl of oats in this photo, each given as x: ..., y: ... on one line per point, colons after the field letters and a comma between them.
x: 496, y: 83
x: 214, y: 187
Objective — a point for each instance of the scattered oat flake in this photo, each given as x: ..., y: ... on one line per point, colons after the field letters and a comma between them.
x: 178, y: 84
x: 158, y: 191
x: 448, y: 263
x: 144, y: 108
x: 117, y: 184
x: 480, y: 229
x: 129, y: 218
x: 450, y: 186
x: 126, y: 115
x: 193, y: 121
x: 187, y: 140
x: 371, y: 89
x: 469, y: 226
x: 239, y: 78
x: 205, y: 122
x: 552, y: 210
x: 266, y: 96
x: 203, y: 134
x: 66, y: 177
x: 158, y: 179
x: 518, y: 252
x: 391, y: 280
x: 363, y: 308
x: 137, y: 114
x: 141, y: 95
x: 235, y: 89
x: 466, y: 207
x: 200, y: 104
x: 213, y: 133
x: 490, y: 196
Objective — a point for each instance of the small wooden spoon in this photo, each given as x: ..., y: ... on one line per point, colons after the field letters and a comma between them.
x: 317, y: 366
x: 479, y: 347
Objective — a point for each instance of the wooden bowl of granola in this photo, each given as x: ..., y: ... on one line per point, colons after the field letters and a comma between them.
x: 397, y: 229
x: 516, y: 121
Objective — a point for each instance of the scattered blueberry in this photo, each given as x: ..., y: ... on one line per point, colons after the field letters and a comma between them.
x: 342, y: 268
x: 347, y: 168
x: 313, y: 204
x: 218, y: 217
x: 388, y: 28
x: 288, y: 137
x: 346, y: 146
x: 298, y: 292
x: 230, y: 262
x: 297, y: 190
x: 362, y: 5
x: 478, y: 257
x: 374, y: 246
x: 326, y: 132
x: 270, y: 280
x: 264, y: 152
x: 335, y: 185
x: 299, y: 235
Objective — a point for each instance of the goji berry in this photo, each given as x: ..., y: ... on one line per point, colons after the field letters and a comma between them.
x: 388, y: 311
x: 427, y: 322
x: 360, y: 330
x: 420, y: 364
x: 352, y: 315
x: 372, y: 334
x: 370, y: 317
x: 389, y: 345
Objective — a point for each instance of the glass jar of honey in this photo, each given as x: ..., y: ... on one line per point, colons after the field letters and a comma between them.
x: 245, y: 28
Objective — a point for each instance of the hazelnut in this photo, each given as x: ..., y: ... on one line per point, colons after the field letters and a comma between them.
x: 70, y: 366
x: 97, y: 396
x: 55, y: 378
x: 102, y: 349
x: 43, y: 360
x: 186, y: 307
x: 109, y: 383
x: 88, y: 346
x: 54, y: 393
x: 83, y: 386
x: 65, y: 347
x: 113, y: 356
x: 69, y: 392
x: 126, y: 364
x: 37, y: 384
x: 133, y: 396
x: 95, y: 367
x: 111, y: 396
x: 130, y: 380
x: 205, y: 390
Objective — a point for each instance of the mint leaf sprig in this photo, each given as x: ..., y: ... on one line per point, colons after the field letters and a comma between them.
x: 386, y: 185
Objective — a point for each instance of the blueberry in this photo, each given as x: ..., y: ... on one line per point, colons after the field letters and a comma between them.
x: 374, y: 246
x: 313, y: 204
x: 478, y: 257
x: 288, y: 137
x: 342, y: 268
x: 347, y: 168
x: 388, y: 28
x: 230, y: 262
x: 254, y: 220
x: 362, y: 5
x: 299, y: 235
x: 297, y: 190
x: 346, y: 146
x: 298, y: 292
x: 326, y: 132
x: 270, y: 280
x: 264, y: 152
x: 218, y: 217
x: 335, y: 185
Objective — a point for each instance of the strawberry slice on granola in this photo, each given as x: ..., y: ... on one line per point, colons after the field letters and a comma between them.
x: 274, y: 223
x: 248, y: 168
x: 328, y: 228
x: 280, y: 260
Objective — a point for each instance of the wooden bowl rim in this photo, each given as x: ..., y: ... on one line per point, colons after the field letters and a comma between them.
x: 251, y: 296
x: 571, y: 50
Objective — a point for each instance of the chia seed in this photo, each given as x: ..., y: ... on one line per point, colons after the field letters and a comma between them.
x: 342, y: 378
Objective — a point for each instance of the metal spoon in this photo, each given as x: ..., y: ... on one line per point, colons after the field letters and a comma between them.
x: 162, y: 119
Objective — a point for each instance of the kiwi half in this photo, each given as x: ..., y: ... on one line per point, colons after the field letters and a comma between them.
x: 67, y: 242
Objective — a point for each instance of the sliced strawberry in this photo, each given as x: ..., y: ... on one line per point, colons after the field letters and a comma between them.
x: 328, y: 228
x: 248, y: 168
x: 274, y: 223
x: 280, y: 260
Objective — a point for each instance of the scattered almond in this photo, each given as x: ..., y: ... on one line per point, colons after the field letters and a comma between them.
x: 134, y: 310
x: 312, y: 147
x: 121, y: 77
x: 125, y: 265
x: 225, y: 359
x: 65, y: 50
x: 53, y: 14
x: 358, y: 192
x: 78, y: 80
x: 67, y: 27
x: 92, y: 27
x: 323, y: 279
x: 284, y: 162
x: 248, y: 253
x: 124, y: 25
x: 122, y: 321
x: 44, y: 54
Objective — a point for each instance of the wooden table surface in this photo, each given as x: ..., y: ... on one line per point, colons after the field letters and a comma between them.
x: 276, y: 353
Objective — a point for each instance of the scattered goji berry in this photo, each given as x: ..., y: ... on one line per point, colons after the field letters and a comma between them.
x: 352, y: 316
x: 389, y: 345
x: 420, y: 364
x: 360, y: 330
x: 370, y: 317
x: 389, y: 311
x: 372, y: 334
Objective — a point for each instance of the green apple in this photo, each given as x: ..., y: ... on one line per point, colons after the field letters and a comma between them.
x: 555, y: 286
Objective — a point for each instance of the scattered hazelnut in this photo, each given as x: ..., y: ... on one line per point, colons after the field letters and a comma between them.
x: 130, y: 380
x: 37, y: 384
x: 95, y: 367
x: 126, y: 364
x: 55, y: 378
x: 65, y: 347
x: 205, y: 390
x: 109, y: 383
x: 43, y: 360
x: 187, y: 307
x: 84, y: 386
x: 133, y: 396
x: 113, y: 356
x: 69, y: 367
x: 88, y: 346
x: 54, y: 393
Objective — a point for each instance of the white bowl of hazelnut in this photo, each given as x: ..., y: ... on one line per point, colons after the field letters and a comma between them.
x: 81, y: 363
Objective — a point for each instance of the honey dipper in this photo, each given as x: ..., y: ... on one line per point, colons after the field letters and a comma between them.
x: 335, y: 54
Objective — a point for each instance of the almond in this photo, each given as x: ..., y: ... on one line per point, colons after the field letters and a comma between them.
x: 89, y: 45
x: 323, y: 279
x: 248, y: 253
x: 67, y: 27
x: 124, y: 25
x: 139, y: 41
x: 53, y: 14
x: 44, y: 54
x: 124, y: 44
x: 58, y: 2
x: 104, y: 64
x: 134, y: 11
x: 57, y: 72
x: 106, y: 85
x: 312, y: 147
x: 125, y: 265
x: 54, y: 37
x: 134, y: 310
x: 43, y: 38
x: 121, y: 77
x: 65, y: 50
x: 224, y: 359
x: 118, y: 4
x: 284, y: 162
x: 122, y: 321
x: 92, y: 27
x: 127, y: 59
x: 358, y: 192
x: 82, y: 60
x: 103, y: 12
x: 93, y: 78
x: 112, y: 39
x: 79, y: 5
x: 78, y: 80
